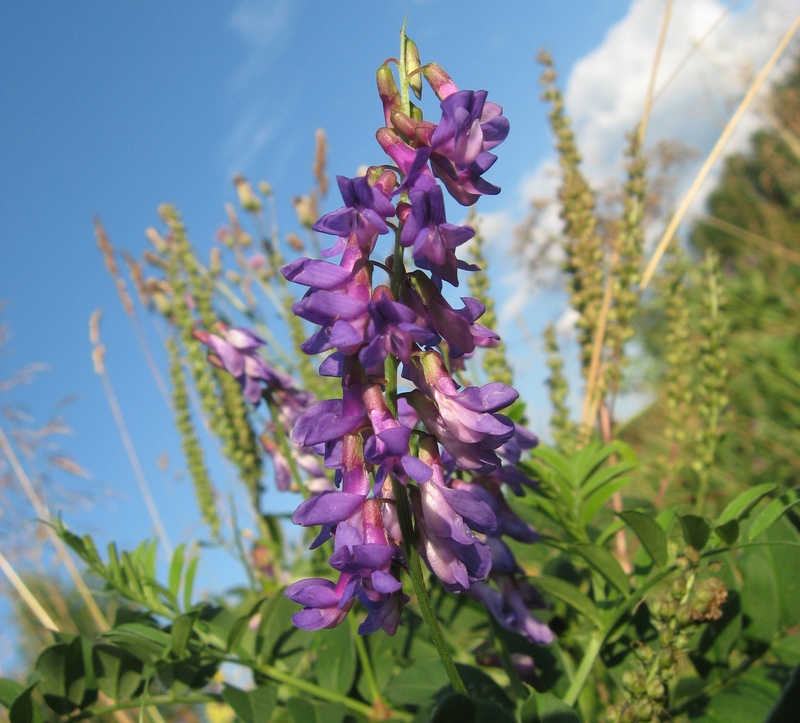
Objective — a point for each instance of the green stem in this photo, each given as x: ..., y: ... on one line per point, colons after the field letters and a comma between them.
x: 197, y: 698
x: 418, y: 581
x: 590, y: 656
x: 366, y: 663
x: 322, y: 693
x: 517, y: 686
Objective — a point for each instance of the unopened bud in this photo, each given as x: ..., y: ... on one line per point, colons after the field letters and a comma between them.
x: 247, y: 198
x: 215, y: 262
x: 412, y: 66
x: 441, y: 83
x: 655, y: 690
x: 387, y: 89
x: 306, y: 210
x: 156, y: 239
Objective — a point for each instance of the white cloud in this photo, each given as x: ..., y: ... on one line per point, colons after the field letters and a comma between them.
x: 604, y: 96
x: 264, y: 30
x: 607, y: 88
x: 698, y: 86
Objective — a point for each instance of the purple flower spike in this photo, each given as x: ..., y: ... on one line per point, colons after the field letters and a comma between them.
x: 432, y: 239
x: 235, y: 352
x: 364, y: 214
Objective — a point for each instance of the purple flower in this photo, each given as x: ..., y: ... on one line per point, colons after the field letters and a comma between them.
x: 235, y: 352
x: 511, y: 605
x: 364, y: 213
x: 332, y: 419
x: 387, y: 446
x: 465, y: 183
x: 464, y: 421
x: 391, y: 329
x: 445, y: 520
x: 458, y: 327
x: 432, y: 239
x: 341, y: 313
x: 469, y: 126
x: 325, y: 604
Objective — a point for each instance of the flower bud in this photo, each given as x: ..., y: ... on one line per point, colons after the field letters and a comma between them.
x: 412, y: 65
x: 441, y: 83
x: 643, y: 710
x: 387, y: 89
x: 247, y: 198
x: 678, y: 588
x: 655, y: 690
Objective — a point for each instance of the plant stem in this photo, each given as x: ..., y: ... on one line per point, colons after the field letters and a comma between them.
x: 418, y: 581
x: 322, y: 693
x: 585, y: 668
x: 366, y: 663
x: 152, y: 700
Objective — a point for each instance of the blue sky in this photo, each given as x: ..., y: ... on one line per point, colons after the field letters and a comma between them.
x: 114, y: 108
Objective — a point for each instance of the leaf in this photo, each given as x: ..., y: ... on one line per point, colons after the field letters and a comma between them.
x: 740, y: 507
x: 188, y: 582
x: 785, y: 710
x: 696, y: 530
x: 605, y: 563
x: 728, y: 531
x: 649, y: 533
x: 146, y: 642
x: 301, y: 710
x: 251, y: 706
x: 546, y: 708
x: 63, y: 676
x: 570, y: 594
x: 275, y: 623
x: 594, y: 502
x: 454, y: 707
x: 760, y: 596
x: 772, y: 513
x: 483, y: 688
x: 336, y: 659
x: 181, y: 632
x: 118, y: 672
x: 417, y: 684
x: 175, y: 570
x: 608, y: 474
x: 23, y: 709
x: 9, y: 690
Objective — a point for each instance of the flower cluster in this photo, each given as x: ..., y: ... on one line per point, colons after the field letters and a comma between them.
x: 447, y: 449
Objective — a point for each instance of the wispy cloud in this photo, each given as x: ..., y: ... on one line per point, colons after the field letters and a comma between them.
x: 264, y: 28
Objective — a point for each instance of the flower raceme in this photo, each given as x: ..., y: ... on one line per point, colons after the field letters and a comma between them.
x: 448, y: 450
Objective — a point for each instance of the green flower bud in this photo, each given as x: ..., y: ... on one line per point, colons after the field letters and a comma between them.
x: 656, y: 690
x: 412, y: 65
